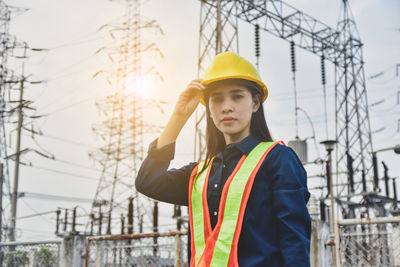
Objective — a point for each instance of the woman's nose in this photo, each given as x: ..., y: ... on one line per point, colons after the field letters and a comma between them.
x: 227, y: 106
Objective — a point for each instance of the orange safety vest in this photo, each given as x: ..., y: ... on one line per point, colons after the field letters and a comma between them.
x: 218, y: 247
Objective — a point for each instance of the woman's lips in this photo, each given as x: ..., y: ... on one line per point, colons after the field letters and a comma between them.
x: 228, y: 120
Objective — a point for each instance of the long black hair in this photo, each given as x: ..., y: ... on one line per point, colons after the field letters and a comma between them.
x: 258, y: 126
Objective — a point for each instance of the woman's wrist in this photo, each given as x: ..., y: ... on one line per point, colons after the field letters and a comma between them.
x: 172, y: 130
x: 179, y: 118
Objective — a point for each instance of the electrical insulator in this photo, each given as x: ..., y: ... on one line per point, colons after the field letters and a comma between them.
x: 323, y: 77
x: 292, y: 56
x: 350, y: 172
x: 122, y: 224
x: 58, y: 212
x: 386, y: 178
x: 130, y: 215
x: 73, y: 220
x: 100, y: 223
x: 328, y: 177
x: 155, y: 217
x: 376, y: 174
x: 65, y: 220
x: 364, y: 181
x: 322, y: 208
x: 257, y: 39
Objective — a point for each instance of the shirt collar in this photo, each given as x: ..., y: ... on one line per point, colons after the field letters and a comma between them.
x: 244, y: 146
x: 247, y: 144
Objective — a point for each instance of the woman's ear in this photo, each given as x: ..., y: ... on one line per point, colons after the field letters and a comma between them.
x: 256, y: 102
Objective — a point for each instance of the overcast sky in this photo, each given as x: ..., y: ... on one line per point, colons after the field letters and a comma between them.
x: 69, y: 30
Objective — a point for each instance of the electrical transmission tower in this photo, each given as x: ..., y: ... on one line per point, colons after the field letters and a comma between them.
x: 218, y: 33
x: 5, y: 15
x: 341, y: 46
x: 124, y: 127
x: 353, y: 131
x: 16, y: 112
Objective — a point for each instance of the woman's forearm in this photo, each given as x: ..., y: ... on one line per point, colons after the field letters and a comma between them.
x: 156, y: 181
x: 185, y: 106
x: 172, y: 130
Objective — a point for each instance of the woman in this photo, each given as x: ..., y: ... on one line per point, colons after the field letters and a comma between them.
x: 247, y: 200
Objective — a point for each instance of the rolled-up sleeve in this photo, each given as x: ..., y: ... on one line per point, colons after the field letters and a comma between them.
x: 156, y: 181
x: 290, y: 197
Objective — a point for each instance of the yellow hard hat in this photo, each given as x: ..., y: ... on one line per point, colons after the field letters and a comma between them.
x: 229, y: 65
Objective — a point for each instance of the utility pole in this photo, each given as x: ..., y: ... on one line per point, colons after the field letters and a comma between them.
x: 1, y: 200
x: 14, y: 196
x: 329, y: 146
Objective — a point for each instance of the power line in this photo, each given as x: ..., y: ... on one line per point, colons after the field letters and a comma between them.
x: 76, y: 42
x: 75, y: 164
x: 55, y: 197
x: 381, y: 73
x: 64, y: 173
x: 67, y: 140
x: 68, y: 106
x: 62, y: 97
x: 54, y: 75
x: 80, y: 40
x: 35, y: 215
x: 67, y: 162
x: 29, y: 206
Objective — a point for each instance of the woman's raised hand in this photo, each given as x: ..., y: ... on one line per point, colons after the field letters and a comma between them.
x: 184, y: 107
x: 189, y: 99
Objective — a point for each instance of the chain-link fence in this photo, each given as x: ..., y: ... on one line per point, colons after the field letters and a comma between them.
x: 370, y: 242
x: 30, y: 254
x: 155, y: 250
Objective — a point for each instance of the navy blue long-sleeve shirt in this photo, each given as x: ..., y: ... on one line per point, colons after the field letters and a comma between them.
x: 276, y: 225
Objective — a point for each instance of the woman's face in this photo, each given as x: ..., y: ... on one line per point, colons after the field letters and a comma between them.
x: 231, y: 108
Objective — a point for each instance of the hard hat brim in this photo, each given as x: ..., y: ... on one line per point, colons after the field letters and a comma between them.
x: 263, y: 87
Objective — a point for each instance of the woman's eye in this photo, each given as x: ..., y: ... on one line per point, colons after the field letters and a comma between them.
x: 237, y: 96
x: 216, y: 99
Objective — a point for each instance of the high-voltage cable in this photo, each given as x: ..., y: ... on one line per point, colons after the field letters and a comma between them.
x: 293, y: 68
x: 323, y: 81
x: 257, y: 45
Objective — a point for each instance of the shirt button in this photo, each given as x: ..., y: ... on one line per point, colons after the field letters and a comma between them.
x: 216, y: 185
x: 215, y: 213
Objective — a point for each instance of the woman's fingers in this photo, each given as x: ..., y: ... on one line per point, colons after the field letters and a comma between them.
x: 195, y: 84
x: 189, y: 98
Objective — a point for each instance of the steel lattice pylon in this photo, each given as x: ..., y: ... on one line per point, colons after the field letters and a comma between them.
x: 123, y: 129
x: 5, y: 15
x: 341, y: 46
x: 353, y: 131
x: 11, y: 50
x: 218, y: 33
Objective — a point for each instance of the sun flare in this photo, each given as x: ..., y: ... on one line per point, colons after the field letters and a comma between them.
x: 138, y: 85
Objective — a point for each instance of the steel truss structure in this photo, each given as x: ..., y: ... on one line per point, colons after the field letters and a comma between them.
x: 218, y: 33
x: 14, y: 109
x: 5, y: 14
x: 341, y: 46
x: 124, y: 127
